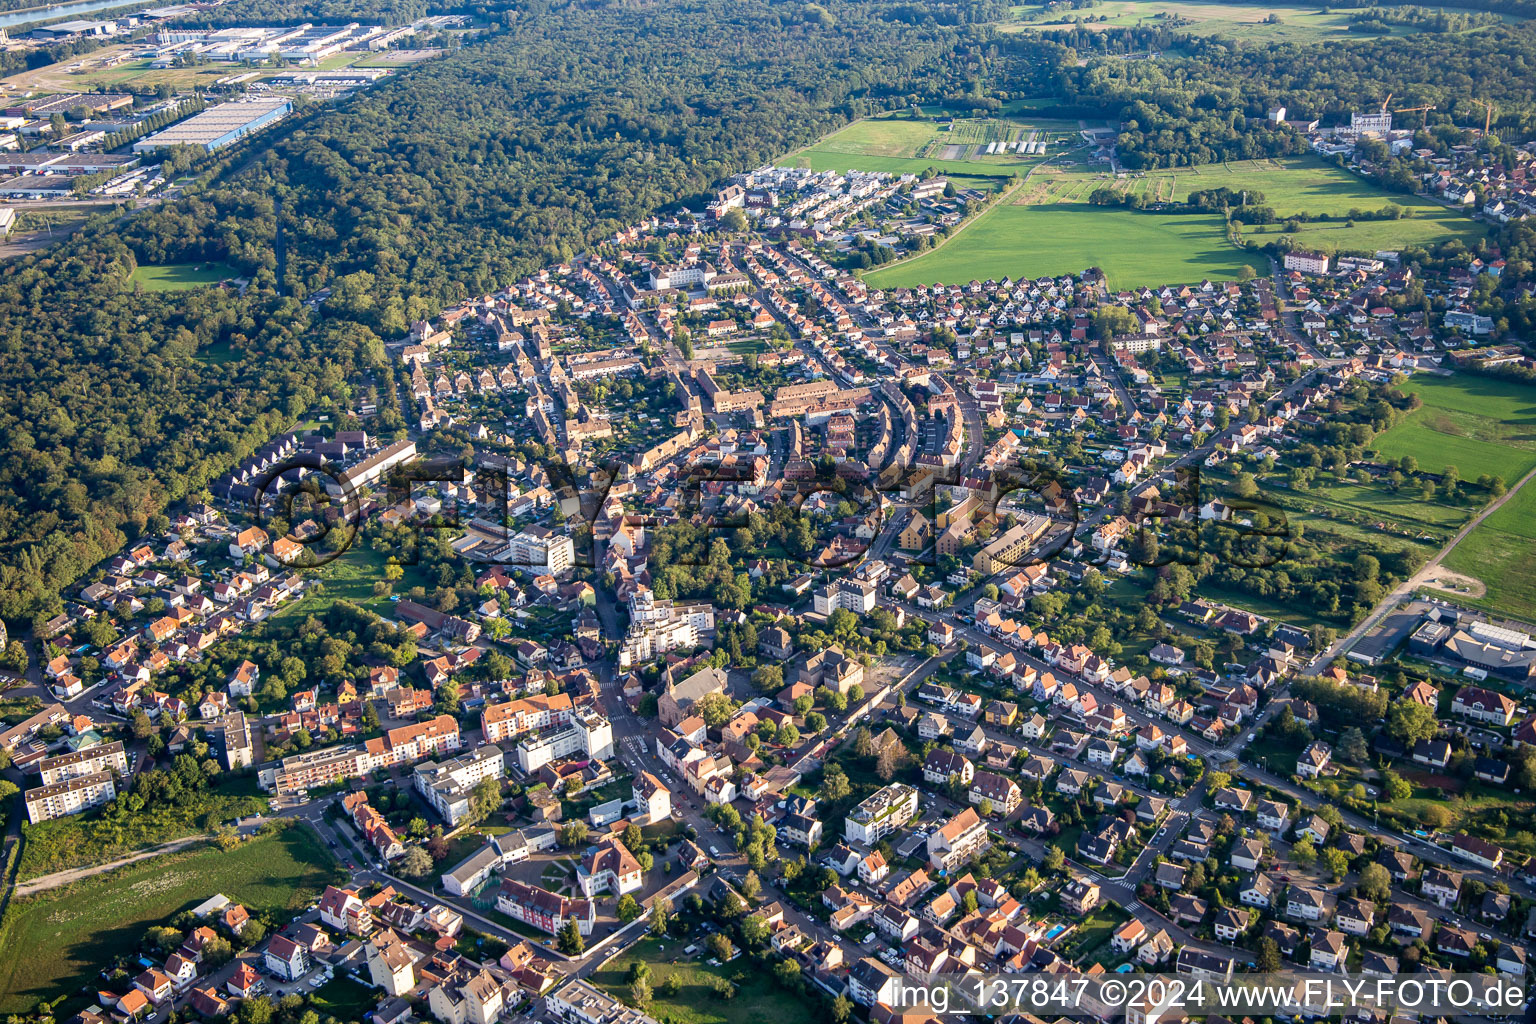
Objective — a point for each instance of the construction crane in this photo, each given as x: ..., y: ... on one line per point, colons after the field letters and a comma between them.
x: 1415, y: 110
x: 1386, y: 102
x: 1488, y: 109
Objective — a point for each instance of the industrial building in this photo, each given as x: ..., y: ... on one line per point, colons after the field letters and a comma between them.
x: 220, y: 126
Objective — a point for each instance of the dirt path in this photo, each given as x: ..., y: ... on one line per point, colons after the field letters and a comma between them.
x: 42, y: 883
x: 1455, y: 582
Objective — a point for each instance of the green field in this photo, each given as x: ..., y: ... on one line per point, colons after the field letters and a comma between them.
x: 904, y: 143
x: 758, y: 999
x: 1051, y: 228
x: 58, y: 940
x: 351, y: 578
x: 1294, y: 24
x: 175, y: 277
x: 1132, y: 248
x: 1423, y: 229
x: 1294, y: 185
x: 1501, y: 552
x: 1477, y: 424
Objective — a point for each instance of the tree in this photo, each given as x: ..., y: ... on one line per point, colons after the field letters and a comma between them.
x: 485, y: 800
x: 1336, y: 861
x: 569, y: 941
x: 574, y: 834
x: 640, y: 993
x: 863, y: 742
x: 754, y: 931
x: 888, y: 761
x: 788, y: 734
x: 661, y: 916
x: 834, y: 783
x: 1352, y: 746
x: 842, y: 1007
x: 720, y: 947
x: 417, y: 863
x: 1375, y: 882
x: 768, y: 679
x: 1054, y: 858
x: 140, y: 725
x: 1267, y: 960
x: 628, y: 909
x: 1304, y: 853
x: 715, y: 708
x: 1409, y: 722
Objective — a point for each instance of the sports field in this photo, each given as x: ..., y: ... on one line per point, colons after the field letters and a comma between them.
x: 175, y: 277
x: 58, y: 940
x: 1501, y: 552
x: 1477, y: 424
x: 1132, y: 248
x: 1248, y: 22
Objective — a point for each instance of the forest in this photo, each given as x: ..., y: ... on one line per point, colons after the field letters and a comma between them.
x: 1210, y: 106
x: 446, y: 182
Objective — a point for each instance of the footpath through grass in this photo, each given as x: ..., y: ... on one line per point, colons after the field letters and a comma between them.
x: 57, y: 941
x: 83, y: 841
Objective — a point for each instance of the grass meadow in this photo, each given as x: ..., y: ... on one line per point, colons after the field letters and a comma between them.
x: 1501, y: 551
x: 58, y: 940
x: 759, y: 998
x: 175, y: 277
x: 1132, y: 248
x: 1477, y: 424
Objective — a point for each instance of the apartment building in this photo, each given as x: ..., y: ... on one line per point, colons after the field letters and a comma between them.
x: 1009, y: 549
x: 880, y: 814
x: 405, y: 745
x: 104, y: 757
x: 507, y: 721
x: 73, y: 796
x: 449, y: 785
x: 538, y: 549
x: 586, y: 732
x: 957, y: 842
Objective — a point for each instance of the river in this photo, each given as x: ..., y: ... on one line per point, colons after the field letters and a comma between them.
x: 12, y: 19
